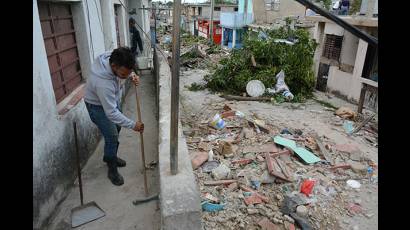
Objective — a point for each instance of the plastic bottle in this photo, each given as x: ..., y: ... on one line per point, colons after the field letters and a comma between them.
x: 288, y: 95
x: 217, y: 122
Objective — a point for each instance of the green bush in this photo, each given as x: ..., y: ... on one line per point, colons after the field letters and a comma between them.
x: 234, y: 72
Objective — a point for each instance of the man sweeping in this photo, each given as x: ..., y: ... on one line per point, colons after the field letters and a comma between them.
x: 102, y: 96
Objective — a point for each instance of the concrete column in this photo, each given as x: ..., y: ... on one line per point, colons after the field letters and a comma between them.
x: 108, y: 20
x: 360, y: 59
x: 222, y: 34
x: 233, y: 38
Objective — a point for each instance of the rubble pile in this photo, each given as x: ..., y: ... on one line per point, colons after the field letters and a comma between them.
x: 253, y: 174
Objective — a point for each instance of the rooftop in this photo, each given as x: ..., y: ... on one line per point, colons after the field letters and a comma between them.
x: 353, y: 20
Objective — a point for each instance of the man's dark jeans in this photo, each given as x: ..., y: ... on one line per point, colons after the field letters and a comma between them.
x: 109, y: 130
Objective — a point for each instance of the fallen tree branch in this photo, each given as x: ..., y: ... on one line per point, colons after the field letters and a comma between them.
x: 240, y: 98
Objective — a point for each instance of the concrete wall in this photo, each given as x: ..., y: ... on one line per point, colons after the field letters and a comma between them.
x: 286, y: 8
x: 53, y: 138
x: 259, y: 12
x: 349, y: 49
x: 345, y: 81
x: 179, y: 194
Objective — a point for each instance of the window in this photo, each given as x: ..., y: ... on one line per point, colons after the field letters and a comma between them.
x: 272, y: 5
x: 332, y: 47
x: 117, y: 27
x: 235, y: 9
x: 199, y: 10
x: 217, y: 8
x: 61, y: 47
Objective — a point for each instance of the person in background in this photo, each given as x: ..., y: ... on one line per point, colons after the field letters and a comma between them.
x: 344, y: 7
x: 136, y: 41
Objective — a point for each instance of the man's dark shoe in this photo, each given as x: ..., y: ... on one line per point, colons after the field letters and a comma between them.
x: 120, y: 162
x: 113, y: 173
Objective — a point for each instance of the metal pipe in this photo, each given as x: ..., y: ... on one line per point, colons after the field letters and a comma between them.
x: 352, y: 29
x: 175, y: 86
x: 211, y: 25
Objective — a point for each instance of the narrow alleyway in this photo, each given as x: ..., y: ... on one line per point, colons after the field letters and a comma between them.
x: 117, y: 201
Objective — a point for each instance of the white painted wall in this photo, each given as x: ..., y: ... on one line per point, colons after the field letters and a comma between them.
x: 53, y: 142
x: 345, y: 83
x: 108, y: 18
x: 334, y: 29
x: 349, y: 48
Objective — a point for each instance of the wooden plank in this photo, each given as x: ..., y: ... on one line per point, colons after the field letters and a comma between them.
x: 286, y: 171
x: 326, y: 154
x: 274, y: 168
x: 219, y: 182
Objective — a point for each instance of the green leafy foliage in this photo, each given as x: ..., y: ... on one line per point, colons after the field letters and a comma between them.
x: 234, y: 72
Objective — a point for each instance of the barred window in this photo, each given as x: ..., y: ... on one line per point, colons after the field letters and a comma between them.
x: 333, y: 46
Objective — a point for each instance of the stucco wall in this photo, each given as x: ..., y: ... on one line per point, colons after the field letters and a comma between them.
x: 349, y: 48
x: 286, y: 8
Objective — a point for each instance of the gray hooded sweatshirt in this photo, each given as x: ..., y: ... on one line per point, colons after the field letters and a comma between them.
x: 103, y: 88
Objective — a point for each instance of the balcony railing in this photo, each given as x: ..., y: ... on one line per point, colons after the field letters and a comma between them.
x: 235, y: 20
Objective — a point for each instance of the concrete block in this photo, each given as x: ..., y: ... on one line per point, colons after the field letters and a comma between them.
x: 179, y: 194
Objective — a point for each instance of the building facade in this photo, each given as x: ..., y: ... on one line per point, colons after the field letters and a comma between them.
x: 343, y: 62
x: 67, y: 37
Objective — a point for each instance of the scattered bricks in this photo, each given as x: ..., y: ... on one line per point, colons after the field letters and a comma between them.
x: 232, y: 187
x: 284, y: 152
x: 290, y: 226
x: 265, y: 224
x: 274, y: 169
x: 301, y: 210
x: 219, y: 182
x: 198, y: 159
x: 252, y: 199
x: 340, y: 166
x: 269, y: 148
x: 211, y: 198
x: 260, y: 158
x: 226, y: 114
x: 242, y: 161
x: 247, y: 189
x: 354, y: 208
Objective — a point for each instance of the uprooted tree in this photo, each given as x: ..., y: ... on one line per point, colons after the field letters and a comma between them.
x: 270, y: 55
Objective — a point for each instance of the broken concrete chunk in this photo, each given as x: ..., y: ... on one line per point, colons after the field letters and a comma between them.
x: 232, y: 187
x: 198, y: 159
x: 249, y: 133
x: 302, y: 211
x: 252, y: 211
x: 358, y: 167
x: 221, y: 172
x: 266, y: 178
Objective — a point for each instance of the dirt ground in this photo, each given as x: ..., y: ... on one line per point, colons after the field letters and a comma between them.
x: 332, y: 204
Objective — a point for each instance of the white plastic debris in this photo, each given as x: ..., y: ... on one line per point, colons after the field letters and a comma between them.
x: 353, y: 184
x: 255, y: 88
